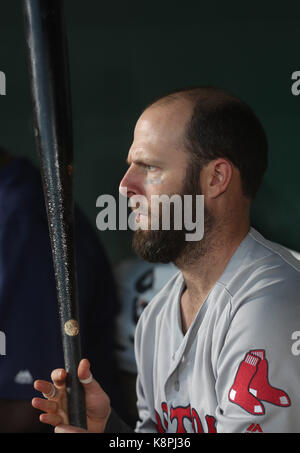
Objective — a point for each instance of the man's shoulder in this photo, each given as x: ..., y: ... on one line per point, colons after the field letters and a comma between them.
x: 264, y: 308
x: 276, y: 253
x: 261, y: 267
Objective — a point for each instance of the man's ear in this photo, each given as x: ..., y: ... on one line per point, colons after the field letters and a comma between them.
x: 215, y: 177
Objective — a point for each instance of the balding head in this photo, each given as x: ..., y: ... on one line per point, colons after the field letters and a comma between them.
x: 192, y: 95
x: 216, y: 124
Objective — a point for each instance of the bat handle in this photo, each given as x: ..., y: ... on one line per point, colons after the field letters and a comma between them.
x: 74, y: 388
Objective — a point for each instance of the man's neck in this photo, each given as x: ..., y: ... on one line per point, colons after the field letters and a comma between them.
x: 201, y: 275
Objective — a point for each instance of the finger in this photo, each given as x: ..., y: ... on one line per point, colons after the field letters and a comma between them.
x: 58, y: 377
x: 51, y: 419
x: 69, y: 429
x: 53, y: 394
x: 46, y: 388
x: 45, y: 405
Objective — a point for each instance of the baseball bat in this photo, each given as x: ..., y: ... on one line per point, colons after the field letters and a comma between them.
x: 50, y: 89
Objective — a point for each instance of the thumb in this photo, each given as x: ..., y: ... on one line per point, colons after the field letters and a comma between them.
x: 84, y: 373
x: 97, y: 401
x: 86, y: 378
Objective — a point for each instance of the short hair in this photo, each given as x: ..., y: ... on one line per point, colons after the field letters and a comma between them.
x: 222, y: 125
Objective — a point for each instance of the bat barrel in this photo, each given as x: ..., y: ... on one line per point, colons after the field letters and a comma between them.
x: 50, y: 87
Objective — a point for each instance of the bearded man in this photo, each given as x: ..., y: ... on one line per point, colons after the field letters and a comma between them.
x: 213, y: 348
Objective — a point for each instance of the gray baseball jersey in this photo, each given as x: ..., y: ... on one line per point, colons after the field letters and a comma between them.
x: 237, y: 368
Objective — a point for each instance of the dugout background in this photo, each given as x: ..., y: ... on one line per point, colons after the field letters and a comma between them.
x: 124, y: 53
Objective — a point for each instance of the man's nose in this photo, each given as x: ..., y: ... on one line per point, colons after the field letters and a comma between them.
x: 129, y: 185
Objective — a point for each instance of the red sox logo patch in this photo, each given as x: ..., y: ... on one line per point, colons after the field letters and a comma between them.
x: 251, y: 385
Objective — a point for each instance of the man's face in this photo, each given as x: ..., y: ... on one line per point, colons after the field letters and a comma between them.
x: 157, y: 161
x: 159, y: 164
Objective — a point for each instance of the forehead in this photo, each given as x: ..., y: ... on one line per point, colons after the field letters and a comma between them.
x: 159, y: 132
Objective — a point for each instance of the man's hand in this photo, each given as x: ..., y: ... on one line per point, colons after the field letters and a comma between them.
x: 55, y: 405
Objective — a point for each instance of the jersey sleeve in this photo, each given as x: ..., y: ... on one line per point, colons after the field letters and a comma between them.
x: 258, y: 374
x: 145, y: 424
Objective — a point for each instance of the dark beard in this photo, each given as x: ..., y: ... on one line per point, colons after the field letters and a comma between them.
x: 165, y: 246
x: 161, y: 246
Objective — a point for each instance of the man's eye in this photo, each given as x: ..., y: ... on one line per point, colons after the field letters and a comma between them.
x: 150, y: 167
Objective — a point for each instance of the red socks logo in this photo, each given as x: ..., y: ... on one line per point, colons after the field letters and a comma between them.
x: 251, y: 385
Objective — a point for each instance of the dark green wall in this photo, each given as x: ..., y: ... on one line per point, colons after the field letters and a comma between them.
x: 125, y: 53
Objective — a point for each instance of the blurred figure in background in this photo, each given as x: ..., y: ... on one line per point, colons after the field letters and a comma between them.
x: 28, y: 304
x: 137, y: 283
